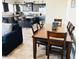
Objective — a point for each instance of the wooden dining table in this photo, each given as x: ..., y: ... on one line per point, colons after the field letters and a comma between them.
x: 42, y: 34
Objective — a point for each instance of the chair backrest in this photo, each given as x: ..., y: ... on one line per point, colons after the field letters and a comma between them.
x: 41, y: 24
x: 57, y: 35
x: 70, y: 27
x: 34, y: 28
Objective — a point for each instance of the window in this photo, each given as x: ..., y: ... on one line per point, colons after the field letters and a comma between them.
x: 5, y: 7
x: 17, y: 7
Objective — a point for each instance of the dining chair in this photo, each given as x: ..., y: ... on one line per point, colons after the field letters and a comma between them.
x: 35, y: 29
x: 41, y: 24
x: 70, y: 27
x: 52, y: 41
x: 59, y: 21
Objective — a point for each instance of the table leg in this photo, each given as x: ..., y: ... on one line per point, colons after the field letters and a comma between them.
x: 68, y: 51
x: 34, y: 48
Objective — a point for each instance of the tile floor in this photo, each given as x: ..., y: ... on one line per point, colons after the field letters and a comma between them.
x: 25, y: 50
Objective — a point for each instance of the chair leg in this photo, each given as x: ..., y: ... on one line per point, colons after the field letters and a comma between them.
x: 61, y: 56
x: 47, y: 52
x: 50, y: 47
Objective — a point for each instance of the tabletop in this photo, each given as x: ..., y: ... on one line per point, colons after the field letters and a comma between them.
x: 42, y: 33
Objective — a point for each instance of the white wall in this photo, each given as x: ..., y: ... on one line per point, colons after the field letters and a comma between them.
x: 55, y: 9
x: 71, y: 13
x: 71, y: 16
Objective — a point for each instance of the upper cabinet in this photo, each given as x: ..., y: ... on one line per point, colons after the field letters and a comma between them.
x: 9, y: 1
x: 40, y: 1
x: 35, y: 1
x: 23, y: 1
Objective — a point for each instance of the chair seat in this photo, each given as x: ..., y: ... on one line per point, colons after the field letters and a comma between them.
x: 42, y: 42
x: 56, y: 48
